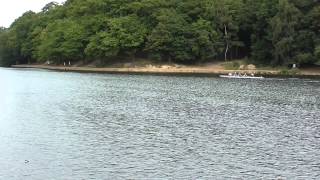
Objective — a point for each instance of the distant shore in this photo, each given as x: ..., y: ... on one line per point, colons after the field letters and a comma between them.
x: 171, y: 70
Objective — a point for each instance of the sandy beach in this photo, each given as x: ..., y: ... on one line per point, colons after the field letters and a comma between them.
x: 185, y: 70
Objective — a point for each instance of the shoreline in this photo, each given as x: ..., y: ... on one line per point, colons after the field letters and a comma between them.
x: 196, y: 71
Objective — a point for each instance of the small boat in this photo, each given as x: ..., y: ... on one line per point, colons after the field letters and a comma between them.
x: 239, y: 76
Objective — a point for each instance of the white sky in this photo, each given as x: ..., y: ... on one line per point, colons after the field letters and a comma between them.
x: 12, y: 9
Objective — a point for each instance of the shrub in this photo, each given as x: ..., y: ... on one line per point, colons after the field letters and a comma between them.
x: 304, y: 58
x: 287, y: 72
x: 317, y: 53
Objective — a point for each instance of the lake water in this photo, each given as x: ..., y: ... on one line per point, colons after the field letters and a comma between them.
x: 57, y: 125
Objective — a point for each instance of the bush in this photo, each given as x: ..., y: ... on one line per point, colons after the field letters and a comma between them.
x: 317, y: 53
x: 291, y: 72
x: 304, y: 58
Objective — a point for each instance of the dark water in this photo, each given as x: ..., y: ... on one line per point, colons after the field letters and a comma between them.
x: 56, y: 125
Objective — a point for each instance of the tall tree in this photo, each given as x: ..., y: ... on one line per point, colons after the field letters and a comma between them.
x: 283, y: 27
x: 62, y: 40
x: 123, y: 35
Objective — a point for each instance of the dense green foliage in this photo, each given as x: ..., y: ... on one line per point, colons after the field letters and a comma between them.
x: 270, y: 32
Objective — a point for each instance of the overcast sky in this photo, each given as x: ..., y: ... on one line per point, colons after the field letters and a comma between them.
x: 12, y: 9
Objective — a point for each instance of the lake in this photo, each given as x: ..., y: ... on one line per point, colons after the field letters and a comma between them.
x: 58, y: 125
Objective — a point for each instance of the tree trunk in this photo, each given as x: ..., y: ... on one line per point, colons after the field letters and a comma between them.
x: 227, y: 43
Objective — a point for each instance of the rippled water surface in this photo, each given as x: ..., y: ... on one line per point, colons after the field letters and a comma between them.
x: 56, y: 125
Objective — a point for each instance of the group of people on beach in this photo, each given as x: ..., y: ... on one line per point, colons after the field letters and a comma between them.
x: 64, y: 63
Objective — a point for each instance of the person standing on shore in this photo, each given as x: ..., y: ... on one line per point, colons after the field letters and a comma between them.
x: 64, y: 65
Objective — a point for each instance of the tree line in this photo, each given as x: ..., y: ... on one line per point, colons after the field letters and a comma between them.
x: 268, y: 32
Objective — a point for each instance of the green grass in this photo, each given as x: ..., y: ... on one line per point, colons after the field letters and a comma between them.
x: 289, y: 72
x: 234, y: 65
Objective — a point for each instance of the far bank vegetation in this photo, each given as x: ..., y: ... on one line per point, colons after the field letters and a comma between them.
x: 265, y: 32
